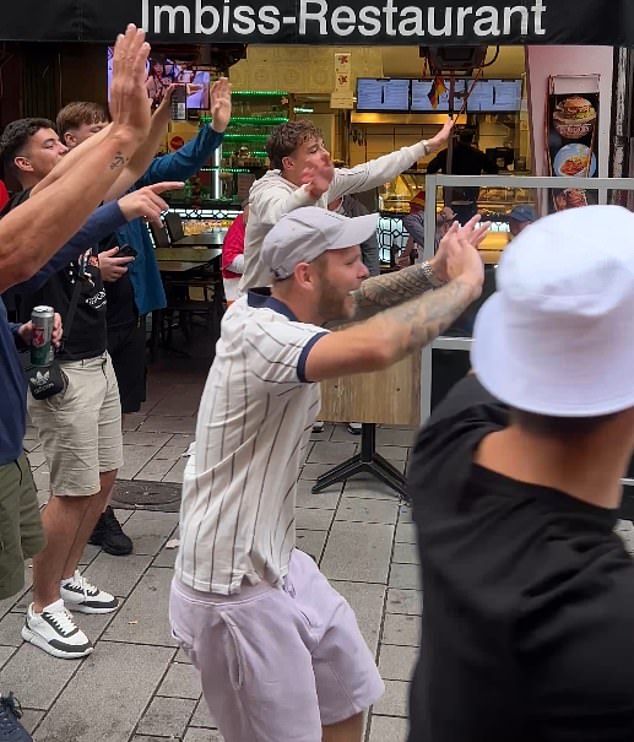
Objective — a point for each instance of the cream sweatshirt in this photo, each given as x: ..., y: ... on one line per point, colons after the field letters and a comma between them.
x: 272, y: 196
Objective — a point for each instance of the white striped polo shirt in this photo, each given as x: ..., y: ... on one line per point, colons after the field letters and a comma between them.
x: 237, y: 517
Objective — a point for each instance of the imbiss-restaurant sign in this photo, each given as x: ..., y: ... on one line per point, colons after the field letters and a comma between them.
x: 332, y: 22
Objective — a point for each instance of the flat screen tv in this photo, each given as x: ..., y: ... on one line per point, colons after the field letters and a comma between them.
x: 382, y: 95
x: 162, y: 72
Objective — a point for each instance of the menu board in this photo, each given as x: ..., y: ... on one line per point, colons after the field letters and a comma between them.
x: 382, y: 95
x: 422, y: 93
x: 495, y: 95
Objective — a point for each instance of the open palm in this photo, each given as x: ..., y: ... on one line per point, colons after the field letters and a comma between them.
x: 221, y: 104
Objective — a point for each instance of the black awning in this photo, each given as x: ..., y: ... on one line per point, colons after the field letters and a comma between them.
x: 332, y: 22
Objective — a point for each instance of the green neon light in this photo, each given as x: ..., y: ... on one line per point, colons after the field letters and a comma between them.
x: 261, y: 93
x: 259, y: 119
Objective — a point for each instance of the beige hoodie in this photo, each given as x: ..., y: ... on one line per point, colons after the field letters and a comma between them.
x: 272, y: 196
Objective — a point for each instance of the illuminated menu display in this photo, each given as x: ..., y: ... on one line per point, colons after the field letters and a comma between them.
x: 422, y: 95
x: 495, y: 95
x: 382, y: 95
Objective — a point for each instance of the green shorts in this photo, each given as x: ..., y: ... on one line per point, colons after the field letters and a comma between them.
x: 21, y: 534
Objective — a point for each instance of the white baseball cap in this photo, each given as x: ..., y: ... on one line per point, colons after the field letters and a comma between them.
x: 304, y: 234
x: 557, y: 338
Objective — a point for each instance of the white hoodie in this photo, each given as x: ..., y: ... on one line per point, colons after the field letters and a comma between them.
x: 272, y: 196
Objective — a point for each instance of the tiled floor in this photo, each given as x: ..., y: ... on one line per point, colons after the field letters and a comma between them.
x: 137, y: 685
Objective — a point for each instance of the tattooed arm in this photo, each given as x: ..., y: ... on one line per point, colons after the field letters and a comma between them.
x: 394, y: 333
x: 390, y: 289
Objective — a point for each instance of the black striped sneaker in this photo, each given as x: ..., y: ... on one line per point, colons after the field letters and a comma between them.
x: 79, y: 595
x: 54, y: 631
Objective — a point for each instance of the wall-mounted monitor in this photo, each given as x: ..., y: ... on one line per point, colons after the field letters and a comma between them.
x: 375, y: 95
x: 162, y: 72
x: 423, y: 94
x: 491, y: 96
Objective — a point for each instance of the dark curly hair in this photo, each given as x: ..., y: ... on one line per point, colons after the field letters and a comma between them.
x: 16, y: 136
x: 286, y: 138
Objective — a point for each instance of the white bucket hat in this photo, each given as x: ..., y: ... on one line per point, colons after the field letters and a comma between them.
x: 557, y: 338
x: 304, y: 234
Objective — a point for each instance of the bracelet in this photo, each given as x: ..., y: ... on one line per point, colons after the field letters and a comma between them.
x: 426, y: 147
x: 428, y: 272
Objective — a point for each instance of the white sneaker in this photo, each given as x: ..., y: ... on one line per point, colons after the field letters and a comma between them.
x: 318, y: 426
x: 54, y: 631
x: 355, y: 428
x: 79, y: 595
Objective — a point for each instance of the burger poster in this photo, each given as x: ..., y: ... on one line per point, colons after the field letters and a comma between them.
x: 572, y: 135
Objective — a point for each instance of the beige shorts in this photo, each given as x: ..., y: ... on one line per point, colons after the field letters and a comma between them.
x: 80, y: 428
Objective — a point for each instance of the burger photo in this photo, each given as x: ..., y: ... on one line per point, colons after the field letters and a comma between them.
x: 574, y: 117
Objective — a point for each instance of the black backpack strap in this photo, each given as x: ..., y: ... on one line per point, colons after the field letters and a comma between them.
x: 72, y: 308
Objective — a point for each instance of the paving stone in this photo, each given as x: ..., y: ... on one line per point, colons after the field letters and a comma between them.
x: 181, y: 681
x: 395, y: 702
x: 155, y: 469
x: 397, y: 663
x: 395, y: 437
x: 155, y: 440
x: 312, y: 471
x: 202, y: 717
x: 91, y: 551
x: 331, y: 453
x: 393, y: 453
x: 167, y: 717
x: 402, y: 630
x: 118, y: 575
x: 31, y: 718
x: 36, y: 458
x: 178, y: 404
x: 369, y: 488
x: 203, y: 735
x: 388, y: 729
x: 328, y: 499
x: 357, y: 553
x: 165, y: 558
x: 363, y: 510
x: 408, y: 602
x: 366, y: 601
x: 9, y: 603
x: 127, y: 675
x: 5, y: 655
x: 143, y: 619
x: 134, y: 459
x: 312, y: 542
x: 405, y: 533
x: 324, y: 435
x: 406, y: 576
x: 149, y: 530
x: 35, y: 677
x: 405, y: 554
x: 10, y: 628
x: 131, y: 421
x: 313, y: 519
x: 175, y: 474
x: 42, y: 479
x: 165, y: 424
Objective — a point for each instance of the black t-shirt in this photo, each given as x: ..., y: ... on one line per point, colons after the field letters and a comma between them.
x: 466, y: 160
x: 121, y: 307
x: 86, y: 338
x: 528, y: 620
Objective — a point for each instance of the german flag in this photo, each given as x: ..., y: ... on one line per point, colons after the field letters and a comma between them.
x: 438, y: 88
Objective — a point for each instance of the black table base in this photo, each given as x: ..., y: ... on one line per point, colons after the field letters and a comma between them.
x: 368, y: 461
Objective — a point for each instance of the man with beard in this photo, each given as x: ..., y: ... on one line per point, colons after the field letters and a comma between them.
x: 279, y: 650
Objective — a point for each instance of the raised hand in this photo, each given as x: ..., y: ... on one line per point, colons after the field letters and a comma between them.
x: 147, y: 203
x: 318, y: 176
x: 129, y: 108
x: 461, y: 258
x: 442, y: 138
x: 220, y: 104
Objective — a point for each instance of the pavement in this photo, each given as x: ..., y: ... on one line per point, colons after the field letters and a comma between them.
x: 137, y: 685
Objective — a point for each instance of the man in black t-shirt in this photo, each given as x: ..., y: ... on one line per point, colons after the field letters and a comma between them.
x: 528, y: 621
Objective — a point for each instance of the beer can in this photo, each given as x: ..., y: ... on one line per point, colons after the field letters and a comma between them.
x: 42, y: 352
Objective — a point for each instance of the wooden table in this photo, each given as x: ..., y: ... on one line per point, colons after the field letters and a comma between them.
x: 177, y: 266
x: 188, y: 254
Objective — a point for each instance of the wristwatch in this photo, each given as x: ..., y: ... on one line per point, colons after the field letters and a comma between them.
x: 426, y: 146
x: 432, y: 278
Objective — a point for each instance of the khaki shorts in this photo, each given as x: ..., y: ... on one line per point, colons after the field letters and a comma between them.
x: 80, y: 428
x: 21, y: 534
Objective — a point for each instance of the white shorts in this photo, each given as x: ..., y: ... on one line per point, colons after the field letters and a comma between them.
x: 277, y: 664
x: 80, y: 428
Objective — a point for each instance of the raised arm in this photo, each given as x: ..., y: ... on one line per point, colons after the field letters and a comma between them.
x: 388, y: 337
x: 381, y: 292
x: 34, y: 231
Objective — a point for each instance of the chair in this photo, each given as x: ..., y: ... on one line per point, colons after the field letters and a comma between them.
x: 159, y: 235
x: 174, y: 225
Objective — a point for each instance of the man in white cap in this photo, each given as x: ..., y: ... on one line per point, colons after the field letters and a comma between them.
x: 279, y: 651
x: 528, y: 627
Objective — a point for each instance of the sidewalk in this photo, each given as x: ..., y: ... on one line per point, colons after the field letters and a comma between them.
x: 137, y: 685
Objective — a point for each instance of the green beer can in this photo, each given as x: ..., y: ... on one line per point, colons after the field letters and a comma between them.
x: 42, y: 352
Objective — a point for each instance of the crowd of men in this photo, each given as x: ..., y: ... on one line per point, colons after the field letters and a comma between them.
x: 515, y: 479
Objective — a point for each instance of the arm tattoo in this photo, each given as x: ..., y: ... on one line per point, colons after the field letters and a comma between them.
x: 118, y: 161
x: 388, y: 290
x: 419, y: 321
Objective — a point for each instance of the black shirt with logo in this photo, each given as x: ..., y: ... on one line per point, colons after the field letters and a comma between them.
x: 528, y: 611
x: 121, y: 307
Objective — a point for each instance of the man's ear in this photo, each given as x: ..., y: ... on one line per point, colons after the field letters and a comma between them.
x: 70, y: 140
x: 304, y: 275
x: 23, y: 163
x: 287, y: 163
